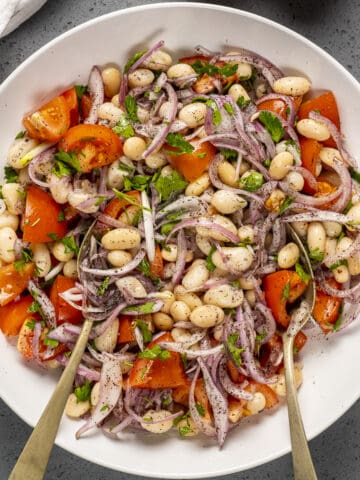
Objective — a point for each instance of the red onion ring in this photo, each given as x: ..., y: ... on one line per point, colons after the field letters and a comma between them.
x: 96, y: 89
x: 207, y: 223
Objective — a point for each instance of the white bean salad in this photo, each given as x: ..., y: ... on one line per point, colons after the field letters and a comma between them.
x: 192, y: 170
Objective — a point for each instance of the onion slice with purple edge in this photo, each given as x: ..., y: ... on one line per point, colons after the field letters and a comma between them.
x: 43, y: 157
x: 110, y: 394
x: 230, y: 387
x: 96, y: 89
x: 207, y: 223
x: 180, y: 259
x: 148, y: 226
x: 116, y: 272
x: 43, y: 300
x: 202, y: 425
x: 286, y: 99
x: 179, y: 347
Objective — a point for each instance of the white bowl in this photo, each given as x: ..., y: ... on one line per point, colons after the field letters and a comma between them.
x: 326, y: 392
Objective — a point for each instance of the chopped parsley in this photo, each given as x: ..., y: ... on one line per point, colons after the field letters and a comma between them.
x: 11, y: 175
x: 335, y: 265
x: 167, y: 227
x: 131, y: 108
x: 216, y: 116
x: 124, y: 127
x: 338, y: 323
x: 26, y: 256
x: 80, y: 90
x: 209, y: 263
x: 202, y: 67
x: 251, y: 182
x: 167, y: 184
x: 31, y: 324
x: 200, y: 409
x: 316, y: 255
x: 83, y: 392
x: 155, y: 352
x: 21, y: 134
x: 177, y: 141
x: 70, y: 244
x: 305, y: 277
x: 133, y: 59
x: 142, y: 309
x: 126, y: 168
x: 242, y: 102
x: 235, y: 351
x: 285, y: 292
x: 229, y: 155
x: 104, y: 286
x: 129, y: 199
x: 144, y: 267
x: 272, y: 125
x: 267, y: 162
x: 144, y: 329
x: 229, y: 108
x: 138, y: 182
x: 184, y: 360
x: 285, y: 204
x: 185, y: 429
x: 49, y: 342
x: 354, y: 174
x: 61, y: 216
x: 65, y: 163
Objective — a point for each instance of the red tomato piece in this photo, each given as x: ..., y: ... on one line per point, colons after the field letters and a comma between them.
x: 94, y: 145
x: 157, y: 265
x: 117, y: 205
x: 73, y: 104
x: 327, y: 308
x: 13, y: 314
x: 13, y: 282
x: 41, y: 216
x: 192, y: 165
x: 278, y: 106
x: 50, y: 122
x: 310, y: 150
x: 158, y: 373
x: 271, y: 397
x: 126, y: 329
x: 280, y: 288
x: 65, y: 313
x: 85, y: 105
x: 181, y: 393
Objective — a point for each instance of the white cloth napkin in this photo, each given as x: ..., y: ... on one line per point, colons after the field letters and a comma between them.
x: 15, y: 12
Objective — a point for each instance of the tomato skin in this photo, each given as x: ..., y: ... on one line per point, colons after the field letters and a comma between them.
x: 50, y: 121
x: 95, y: 145
x: 13, y: 282
x: 310, y: 150
x: 278, y: 106
x: 73, y: 104
x: 65, y: 313
x: 117, y: 205
x: 157, y: 265
x: 158, y: 373
x: 327, y: 106
x: 327, y: 307
x: 126, y: 329
x: 274, y: 285
x: 192, y: 165
x: 13, y: 314
x: 271, y: 397
x: 181, y: 393
x: 41, y: 216
x: 85, y: 105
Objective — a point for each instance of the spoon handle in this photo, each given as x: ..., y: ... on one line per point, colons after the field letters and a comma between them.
x: 302, y: 462
x: 32, y: 462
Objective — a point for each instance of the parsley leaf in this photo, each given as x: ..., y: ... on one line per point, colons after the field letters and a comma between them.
x: 133, y: 59
x: 285, y: 204
x: 142, y: 309
x: 69, y: 158
x: 251, y: 182
x: 185, y: 430
x: 61, y: 216
x: 123, y: 127
x: 126, y: 168
x: 104, y: 286
x: 11, y: 175
x: 167, y: 184
x: 138, y: 182
x: 354, y: 174
x: 131, y: 108
x: 70, y: 245
x: 229, y: 155
x: 229, y: 108
x: 129, y: 199
x: 305, y: 277
x: 235, y: 351
x: 209, y: 263
x: 26, y: 256
x: 80, y: 90
x: 34, y: 307
x: 83, y: 392
x: 338, y: 323
x: 285, y: 292
x: 242, y: 102
x: 177, y: 140
x: 202, y: 67
x: 147, y: 335
x: 216, y: 117
x: 200, y: 409
x: 49, y: 342
x: 155, y: 352
x: 272, y: 125
x: 144, y: 267
x: 167, y: 227
x: 21, y: 134
x: 316, y: 255
x: 335, y: 265
x: 31, y: 324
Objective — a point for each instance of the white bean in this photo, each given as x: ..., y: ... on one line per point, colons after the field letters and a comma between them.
x: 179, y: 70
x: 60, y: 188
x: 224, y: 296
x: 107, y: 341
x: 227, y: 202
x: 133, y: 285
x: 111, y: 77
x: 141, y: 77
x: 341, y: 274
x: 118, y: 258
x: 193, y: 114
x: 198, y: 186
x: 294, y: 86
x: 60, y: 252
x: 7, y: 241
x: 18, y: 149
x: 237, y: 91
x: 333, y: 229
x: 330, y: 250
x: 327, y: 155
x: 288, y: 255
x: 115, y: 176
x: 309, y: 128
x: 316, y: 237
x: 236, y: 411
x: 143, y: 114
x: 169, y: 270
x: 167, y: 297
x: 246, y: 283
x: 207, y: 316
x: 354, y: 212
x: 195, y: 277
x: 239, y: 258
x: 353, y: 261
x: 9, y: 220
x: 280, y: 165
x: 212, y: 233
x: 121, y: 239
x: 190, y: 298
x: 156, y: 160
x: 218, y: 332
x: 227, y: 174
x: 78, y: 196
x: 155, y: 416
x: 246, y: 234
x: 169, y: 252
x: 13, y: 194
x: 295, y: 181
x: 180, y: 311
x: 74, y: 408
x: 70, y: 269
x: 134, y: 147
x: 95, y: 394
x: 108, y: 111
x: 41, y: 258
x: 162, y: 321
x: 159, y: 60
x: 250, y: 296
x: 256, y: 404
x: 203, y: 244
x: 180, y: 334
x: 301, y: 228
x: 167, y: 170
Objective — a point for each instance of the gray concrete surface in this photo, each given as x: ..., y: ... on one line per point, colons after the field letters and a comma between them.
x: 335, y: 26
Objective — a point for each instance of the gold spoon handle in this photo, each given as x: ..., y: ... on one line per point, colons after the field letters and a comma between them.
x: 302, y: 462
x: 32, y: 462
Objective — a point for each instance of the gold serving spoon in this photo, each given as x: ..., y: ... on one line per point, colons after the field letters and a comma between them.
x: 301, y: 457
x: 33, y: 460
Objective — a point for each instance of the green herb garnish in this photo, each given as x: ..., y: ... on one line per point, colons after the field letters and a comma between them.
x: 272, y: 125
x: 70, y: 245
x: 229, y: 155
x: 286, y: 292
x: 138, y: 182
x: 216, y: 116
x: 11, y: 175
x: 123, y: 127
x: 242, y: 102
x: 80, y: 90
x: 235, y: 351
x: 21, y: 134
x: 209, y: 263
x: 104, y: 286
x: 167, y: 184
x: 147, y: 335
x: 229, y: 108
x: 285, y: 204
x: 142, y: 309
x: 155, y: 352
x: 131, y: 108
x: 305, y: 277
x: 177, y: 141
x: 133, y: 59
x: 316, y: 255
x: 251, y: 182
x: 335, y: 265
x: 26, y: 256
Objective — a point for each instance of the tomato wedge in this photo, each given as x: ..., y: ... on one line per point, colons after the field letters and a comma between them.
x: 327, y: 308
x: 126, y: 329
x: 41, y: 217
x: 310, y: 150
x: 13, y: 314
x: 158, y: 373
x: 73, y: 104
x: 13, y: 281
x: 278, y: 106
x: 181, y: 395
x: 95, y: 145
x: 117, y: 205
x: 65, y: 313
x: 192, y: 165
x: 50, y: 122
x: 85, y: 105
x: 157, y: 265
x: 280, y: 288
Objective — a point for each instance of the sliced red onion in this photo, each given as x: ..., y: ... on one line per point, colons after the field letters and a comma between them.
x: 287, y: 127
x: 35, y: 342
x: 43, y: 157
x: 317, y: 216
x: 354, y: 248
x: 96, y: 89
x: 146, y: 56
x: 346, y: 183
x: 100, y: 328
x: 198, y: 131
x: 264, y: 137
x: 179, y: 347
x: 225, y: 259
x: 82, y: 370
x: 207, y: 223
x: 110, y: 221
x: 308, y: 176
x: 213, y: 282
x: 148, y: 227
x: 236, y: 391
x: 113, y: 431
x: 46, y: 305
x: 289, y: 102
x: 202, y: 424
x: 116, y: 272
x: 139, y: 338
x: 137, y: 309
x: 187, y: 203
x: 61, y: 334
x: 180, y: 259
x: 350, y: 294
x: 308, y: 199
x: 218, y: 403
x: 110, y: 391
x: 270, y: 323
x: 54, y: 271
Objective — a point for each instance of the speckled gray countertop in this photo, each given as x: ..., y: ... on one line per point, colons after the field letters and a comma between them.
x: 335, y: 26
